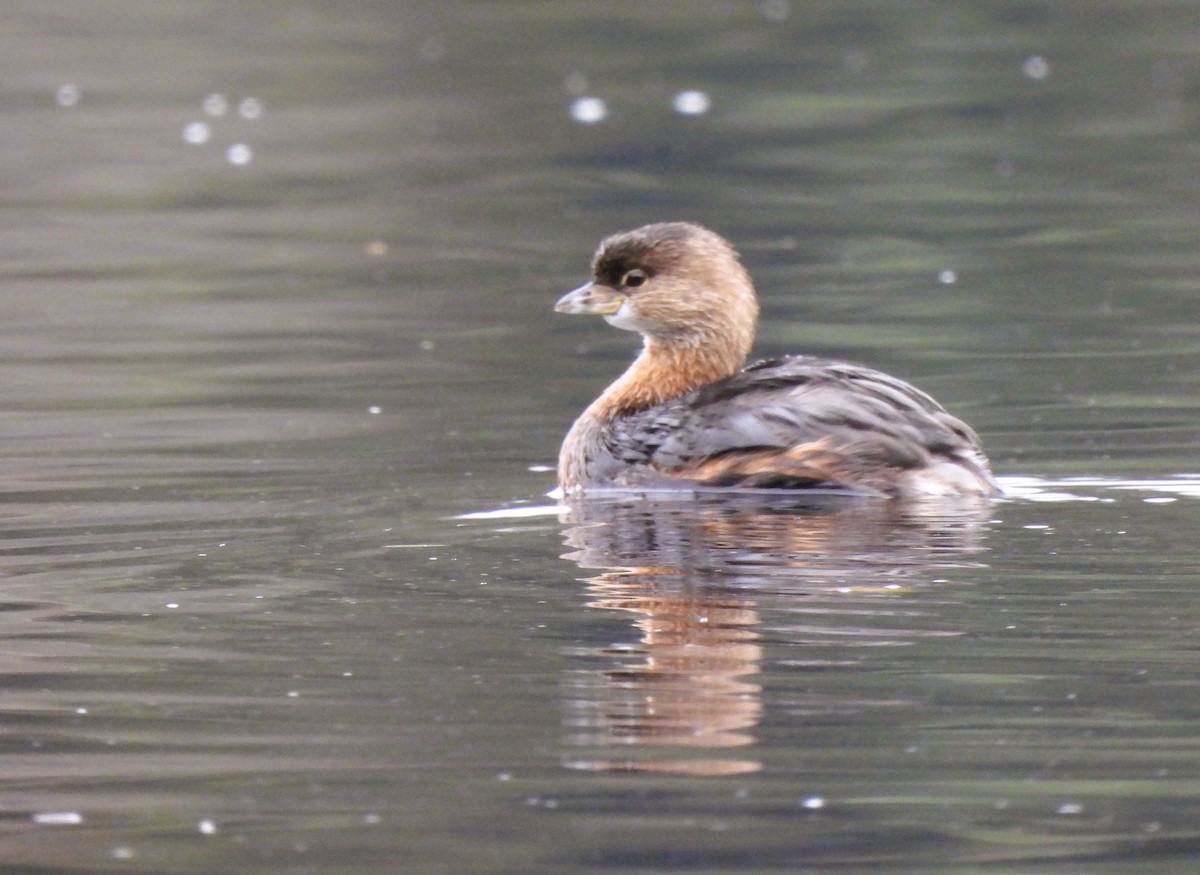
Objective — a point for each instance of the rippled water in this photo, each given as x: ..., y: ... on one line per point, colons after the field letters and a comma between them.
x: 281, y: 588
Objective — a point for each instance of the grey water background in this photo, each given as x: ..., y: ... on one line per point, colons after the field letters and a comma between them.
x: 275, y: 399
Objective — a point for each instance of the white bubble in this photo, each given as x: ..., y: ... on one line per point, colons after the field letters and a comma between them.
x: 250, y: 108
x: 67, y: 94
x: 589, y: 110
x: 58, y: 818
x: 1035, y: 67
x: 691, y: 102
x: 197, y: 133
x: 1070, y: 808
x: 374, y: 410
x: 239, y: 154
x: 216, y: 104
x: 948, y: 277
x: 813, y: 803
x: 207, y: 827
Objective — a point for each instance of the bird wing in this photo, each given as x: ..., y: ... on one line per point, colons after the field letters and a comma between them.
x: 801, y: 422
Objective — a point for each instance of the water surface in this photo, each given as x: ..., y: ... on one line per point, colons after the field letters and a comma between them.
x: 281, y: 587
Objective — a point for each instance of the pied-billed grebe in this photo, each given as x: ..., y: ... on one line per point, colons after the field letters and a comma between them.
x: 685, y: 415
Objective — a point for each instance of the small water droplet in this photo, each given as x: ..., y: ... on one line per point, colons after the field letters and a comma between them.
x: 691, y: 103
x: 216, y: 104
x: 58, y: 818
x: 207, y: 827
x: 1035, y: 67
x: 589, y: 110
x: 251, y: 108
x: 67, y: 94
x: 239, y: 154
x: 197, y: 133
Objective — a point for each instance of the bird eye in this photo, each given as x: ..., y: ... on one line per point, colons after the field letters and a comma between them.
x: 634, y: 278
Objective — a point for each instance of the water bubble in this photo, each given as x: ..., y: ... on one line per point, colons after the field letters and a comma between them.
x: 1035, y: 67
x: 250, y: 108
x: 691, y: 102
x: 374, y: 410
x: 813, y: 803
x: 239, y: 154
x: 216, y: 104
x: 376, y: 248
x: 67, y: 94
x: 197, y: 133
x: 589, y: 110
x: 1070, y: 808
x: 947, y: 277
x: 58, y: 818
x: 207, y: 827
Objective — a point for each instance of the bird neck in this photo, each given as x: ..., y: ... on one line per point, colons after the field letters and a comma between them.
x: 667, y: 369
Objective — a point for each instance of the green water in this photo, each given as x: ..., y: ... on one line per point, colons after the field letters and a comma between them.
x: 244, y: 624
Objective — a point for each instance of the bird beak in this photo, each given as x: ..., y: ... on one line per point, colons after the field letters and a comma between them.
x: 591, y: 298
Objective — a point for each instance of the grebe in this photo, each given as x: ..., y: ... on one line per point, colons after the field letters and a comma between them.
x: 686, y: 415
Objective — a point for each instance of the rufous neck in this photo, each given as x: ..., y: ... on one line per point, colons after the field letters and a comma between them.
x: 667, y: 370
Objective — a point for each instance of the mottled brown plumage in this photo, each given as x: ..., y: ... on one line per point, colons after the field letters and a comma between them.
x: 684, y: 416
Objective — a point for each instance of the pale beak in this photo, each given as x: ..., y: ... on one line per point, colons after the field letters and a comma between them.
x: 591, y: 298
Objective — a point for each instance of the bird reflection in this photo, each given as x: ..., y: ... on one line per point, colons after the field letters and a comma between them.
x: 693, y: 572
